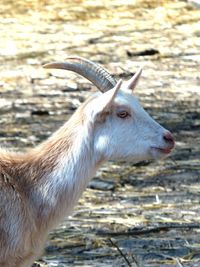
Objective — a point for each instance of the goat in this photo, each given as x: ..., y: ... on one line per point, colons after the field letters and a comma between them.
x: 39, y: 187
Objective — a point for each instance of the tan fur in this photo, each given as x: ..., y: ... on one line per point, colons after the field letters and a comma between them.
x: 19, y: 174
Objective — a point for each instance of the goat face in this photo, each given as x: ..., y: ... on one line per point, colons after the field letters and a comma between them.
x: 124, y: 130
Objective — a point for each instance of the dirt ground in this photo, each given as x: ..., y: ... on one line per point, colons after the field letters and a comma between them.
x: 131, y: 215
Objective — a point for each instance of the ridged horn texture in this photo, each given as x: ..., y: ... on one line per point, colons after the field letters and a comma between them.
x: 88, y: 69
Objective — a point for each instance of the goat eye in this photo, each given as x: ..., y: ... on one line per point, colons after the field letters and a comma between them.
x: 123, y: 114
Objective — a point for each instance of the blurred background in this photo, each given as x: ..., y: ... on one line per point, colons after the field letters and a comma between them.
x: 131, y: 215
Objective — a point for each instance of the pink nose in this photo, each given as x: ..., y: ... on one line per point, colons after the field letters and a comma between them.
x: 169, y: 139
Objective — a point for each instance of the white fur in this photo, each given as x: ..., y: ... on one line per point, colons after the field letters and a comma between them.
x: 131, y: 139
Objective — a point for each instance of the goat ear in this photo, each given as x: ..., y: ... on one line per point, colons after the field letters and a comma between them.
x: 105, y: 100
x: 131, y: 84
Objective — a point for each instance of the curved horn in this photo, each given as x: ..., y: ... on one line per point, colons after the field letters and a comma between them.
x: 88, y: 69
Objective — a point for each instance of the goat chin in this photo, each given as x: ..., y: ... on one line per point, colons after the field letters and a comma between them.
x: 160, y: 153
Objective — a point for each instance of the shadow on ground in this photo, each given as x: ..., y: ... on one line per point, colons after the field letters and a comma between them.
x: 143, y: 215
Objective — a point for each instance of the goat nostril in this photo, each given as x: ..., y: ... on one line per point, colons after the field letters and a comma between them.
x: 168, y: 137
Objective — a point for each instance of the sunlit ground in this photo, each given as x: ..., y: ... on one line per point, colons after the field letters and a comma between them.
x: 164, y: 38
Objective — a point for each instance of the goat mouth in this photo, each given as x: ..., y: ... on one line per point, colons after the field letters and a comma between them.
x: 163, y: 150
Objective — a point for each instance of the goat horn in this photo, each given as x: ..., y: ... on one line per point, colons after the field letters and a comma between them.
x: 88, y: 69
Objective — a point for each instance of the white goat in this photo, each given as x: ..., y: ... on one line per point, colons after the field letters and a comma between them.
x: 40, y: 187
